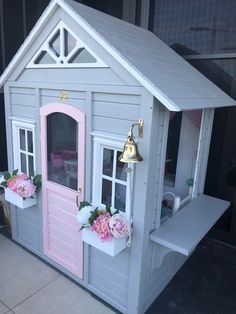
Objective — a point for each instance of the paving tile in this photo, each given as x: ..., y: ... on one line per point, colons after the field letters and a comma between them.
x: 22, y: 274
x: 60, y: 297
x: 3, y: 308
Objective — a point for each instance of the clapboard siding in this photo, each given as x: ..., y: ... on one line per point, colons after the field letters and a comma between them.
x: 85, y: 76
x: 118, y: 263
x: 74, y: 102
x: 117, y: 98
x: 120, y: 111
x: 110, y: 275
x: 110, y: 125
x: 23, y: 102
x: 23, y: 111
x: 23, y: 99
x: 22, y: 90
x: 115, y: 112
x: 79, y: 95
x: 28, y: 227
x: 113, y: 291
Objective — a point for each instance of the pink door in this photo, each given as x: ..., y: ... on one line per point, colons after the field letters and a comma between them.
x: 63, y: 149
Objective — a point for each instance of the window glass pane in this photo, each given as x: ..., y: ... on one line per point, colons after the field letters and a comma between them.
x: 22, y: 139
x: 82, y: 56
x: 108, y: 155
x: 54, y: 44
x: 106, y: 192
x: 23, y: 163
x: 31, y: 165
x: 120, y: 196
x: 44, y: 58
x: 70, y: 42
x: 121, y: 167
x: 62, y: 150
x: 196, y: 26
x: 30, y: 141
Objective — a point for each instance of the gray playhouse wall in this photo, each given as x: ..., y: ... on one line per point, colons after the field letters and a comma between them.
x: 109, y: 108
x: 112, y: 100
x: 99, y: 107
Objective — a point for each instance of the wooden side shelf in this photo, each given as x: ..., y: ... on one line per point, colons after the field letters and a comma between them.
x: 186, y: 228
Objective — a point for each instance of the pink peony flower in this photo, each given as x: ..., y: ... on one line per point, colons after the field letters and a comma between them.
x: 26, y: 189
x: 13, y: 183
x: 101, y: 227
x: 118, y: 226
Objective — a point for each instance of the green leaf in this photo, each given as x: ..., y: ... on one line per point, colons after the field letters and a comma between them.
x: 37, y: 182
x: 4, y: 184
x: 93, y: 216
x: 37, y: 179
x: 14, y: 173
x: 83, y: 204
x: 7, y: 175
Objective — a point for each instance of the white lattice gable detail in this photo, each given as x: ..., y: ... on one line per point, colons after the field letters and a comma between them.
x: 63, y: 48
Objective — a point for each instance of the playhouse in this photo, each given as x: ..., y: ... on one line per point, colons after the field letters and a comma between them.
x: 76, y: 86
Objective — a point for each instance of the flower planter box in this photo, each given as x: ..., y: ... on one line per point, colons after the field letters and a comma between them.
x: 112, y: 247
x: 17, y: 200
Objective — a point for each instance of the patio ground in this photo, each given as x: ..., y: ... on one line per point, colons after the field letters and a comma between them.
x: 205, y: 285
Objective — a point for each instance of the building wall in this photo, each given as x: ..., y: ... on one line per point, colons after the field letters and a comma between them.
x: 24, y: 102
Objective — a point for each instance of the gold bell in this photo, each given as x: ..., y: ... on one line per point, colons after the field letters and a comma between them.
x: 130, y: 152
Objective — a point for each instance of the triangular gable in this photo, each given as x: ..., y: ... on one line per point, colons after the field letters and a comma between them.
x: 63, y: 48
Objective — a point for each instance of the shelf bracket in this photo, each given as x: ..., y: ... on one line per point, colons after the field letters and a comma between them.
x: 159, y: 253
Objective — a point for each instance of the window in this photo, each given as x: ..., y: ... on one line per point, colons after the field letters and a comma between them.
x: 63, y: 48
x: 181, y: 152
x: 110, y: 183
x: 24, y: 146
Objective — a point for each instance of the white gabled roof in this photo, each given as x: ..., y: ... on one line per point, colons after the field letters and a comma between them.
x: 171, y: 79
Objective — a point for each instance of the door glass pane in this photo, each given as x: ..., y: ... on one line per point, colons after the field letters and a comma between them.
x: 30, y: 141
x: 23, y: 163
x: 106, y: 192
x: 62, y: 150
x: 22, y: 139
x: 108, y: 155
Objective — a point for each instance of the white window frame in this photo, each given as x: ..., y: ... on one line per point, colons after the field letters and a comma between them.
x: 117, y: 145
x: 79, y: 44
x: 26, y: 125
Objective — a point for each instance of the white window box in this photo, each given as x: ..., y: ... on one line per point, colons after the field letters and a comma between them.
x: 112, y: 247
x: 17, y: 200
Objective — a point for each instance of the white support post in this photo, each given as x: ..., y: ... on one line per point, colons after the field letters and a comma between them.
x: 203, y: 151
